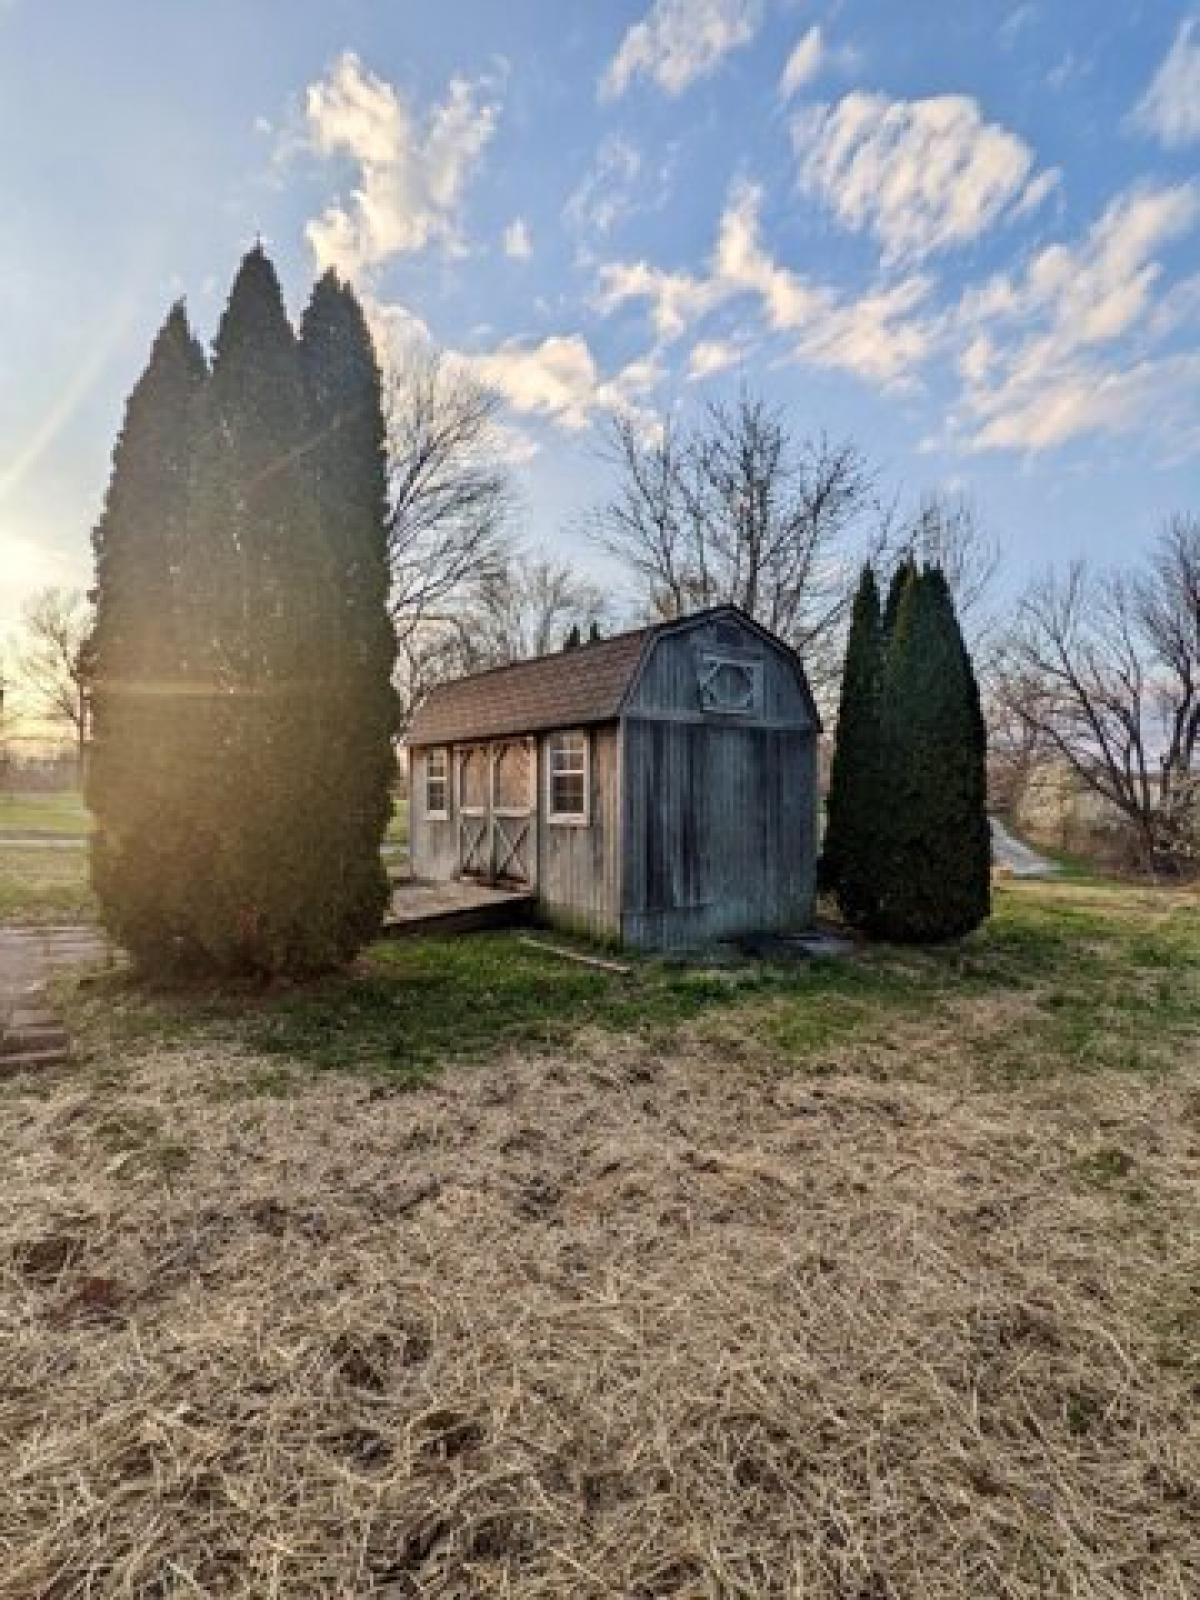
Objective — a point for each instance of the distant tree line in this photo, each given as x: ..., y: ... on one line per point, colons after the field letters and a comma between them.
x: 1099, y: 673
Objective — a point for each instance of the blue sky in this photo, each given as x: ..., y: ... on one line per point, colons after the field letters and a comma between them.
x: 968, y: 235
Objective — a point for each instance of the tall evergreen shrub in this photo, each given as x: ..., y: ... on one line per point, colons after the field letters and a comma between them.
x: 347, y: 458
x: 934, y: 864
x: 266, y: 612
x: 903, y: 575
x: 137, y: 785
x: 849, y: 858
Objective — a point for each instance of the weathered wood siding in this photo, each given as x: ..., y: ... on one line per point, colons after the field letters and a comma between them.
x: 579, y: 865
x: 433, y: 844
x: 669, y: 685
x: 719, y: 816
x: 702, y: 822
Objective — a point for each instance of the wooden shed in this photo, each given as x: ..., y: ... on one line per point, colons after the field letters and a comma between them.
x: 658, y: 788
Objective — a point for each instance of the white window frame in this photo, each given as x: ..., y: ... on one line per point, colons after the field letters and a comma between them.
x: 569, y: 819
x: 434, y: 813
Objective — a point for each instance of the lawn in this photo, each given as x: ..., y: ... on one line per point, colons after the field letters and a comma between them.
x: 481, y: 1272
x: 397, y: 829
x: 44, y: 883
x: 59, y: 814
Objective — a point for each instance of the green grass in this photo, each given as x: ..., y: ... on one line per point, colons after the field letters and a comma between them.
x: 414, y: 1003
x: 41, y: 883
x: 397, y: 829
x: 60, y: 814
x: 1063, y: 979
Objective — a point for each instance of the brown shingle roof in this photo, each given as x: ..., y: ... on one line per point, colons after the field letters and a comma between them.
x: 570, y: 688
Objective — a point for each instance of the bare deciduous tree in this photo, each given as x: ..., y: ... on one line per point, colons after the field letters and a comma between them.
x: 1105, y: 671
x: 528, y: 607
x: 524, y: 606
x: 945, y: 531
x: 51, y: 663
x: 1016, y: 746
x: 449, y: 488
x: 736, y: 509
x: 1167, y: 600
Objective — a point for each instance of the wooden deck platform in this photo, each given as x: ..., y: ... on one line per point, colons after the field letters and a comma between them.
x: 419, y: 907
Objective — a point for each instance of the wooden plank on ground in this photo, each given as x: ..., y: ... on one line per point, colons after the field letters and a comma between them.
x: 576, y: 955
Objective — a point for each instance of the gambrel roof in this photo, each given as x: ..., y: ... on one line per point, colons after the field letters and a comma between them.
x: 567, y: 689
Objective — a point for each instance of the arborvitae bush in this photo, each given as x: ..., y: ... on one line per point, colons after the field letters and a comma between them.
x: 901, y: 577
x: 243, y: 649
x: 849, y: 864
x: 137, y: 785
x: 934, y: 851
x: 359, y: 706
x: 267, y: 628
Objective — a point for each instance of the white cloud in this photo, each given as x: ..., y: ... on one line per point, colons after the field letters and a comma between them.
x: 803, y: 64
x: 1094, y: 292
x: 1037, y: 191
x: 1170, y: 107
x: 559, y: 380
x: 711, y: 356
x: 1092, y: 399
x: 395, y: 329
x: 1178, y: 308
x: 879, y: 336
x: 1066, y: 70
x: 412, y: 173
x: 922, y: 175
x: 679, y: 41
x: 1034, y: 365
x: 604, y: 197
x: 1015, y: 23
x: 513, y: 446
x: 677, y: 299
x: 517, y: 241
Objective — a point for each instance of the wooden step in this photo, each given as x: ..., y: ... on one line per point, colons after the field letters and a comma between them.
x: 31, y: 1061
x: 48, y: 1035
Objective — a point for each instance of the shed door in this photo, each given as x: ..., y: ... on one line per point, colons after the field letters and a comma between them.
x: 497, y: 810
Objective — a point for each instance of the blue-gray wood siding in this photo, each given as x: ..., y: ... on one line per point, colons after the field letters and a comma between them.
x: 719, y: 823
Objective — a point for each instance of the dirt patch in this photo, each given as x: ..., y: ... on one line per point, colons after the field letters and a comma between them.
x: 619, y: 1324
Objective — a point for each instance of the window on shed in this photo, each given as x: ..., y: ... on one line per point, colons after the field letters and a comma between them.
x: 568, y: 777
x: 730, y: 684
x: 437, y: 784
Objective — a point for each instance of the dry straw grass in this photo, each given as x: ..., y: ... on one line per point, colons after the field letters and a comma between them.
x: 614, y: 1326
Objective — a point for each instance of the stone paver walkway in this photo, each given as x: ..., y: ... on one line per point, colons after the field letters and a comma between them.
x: 31, y: 1034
